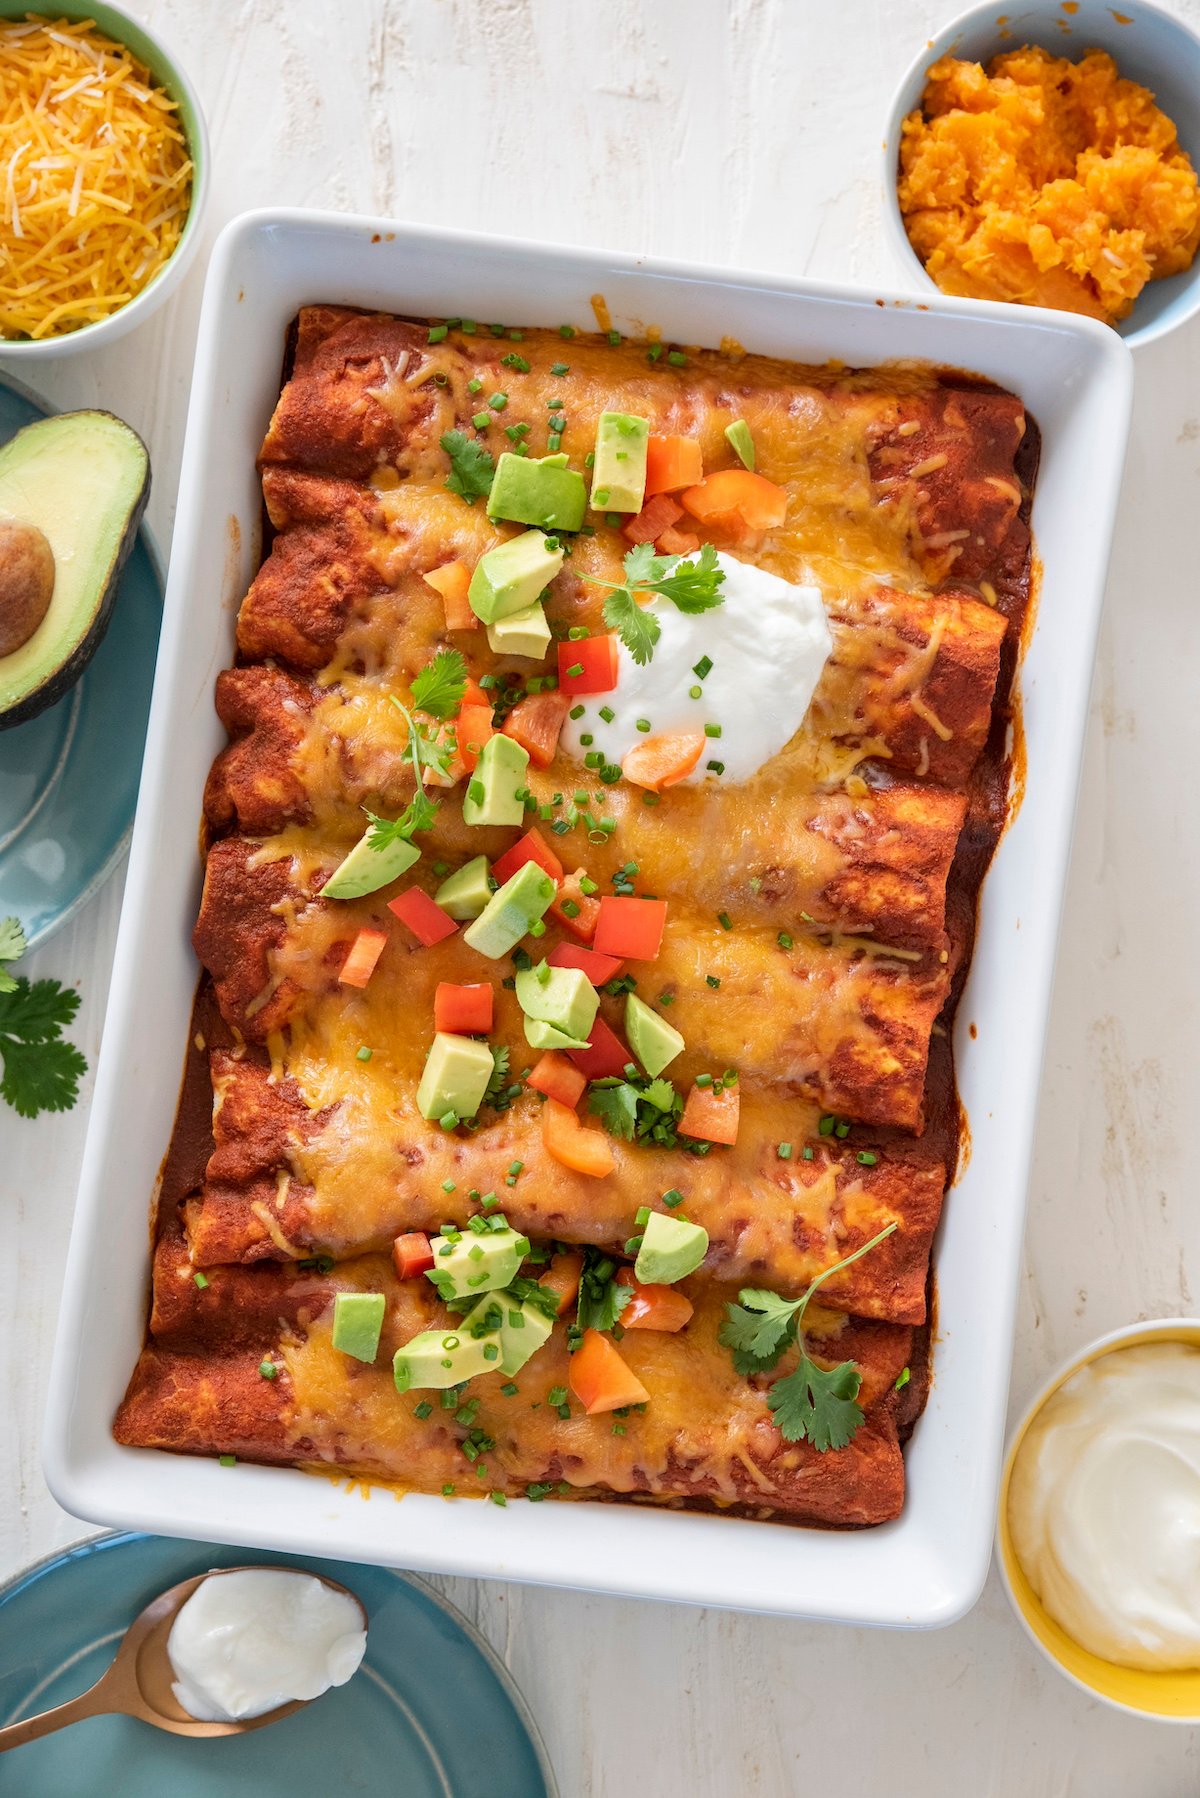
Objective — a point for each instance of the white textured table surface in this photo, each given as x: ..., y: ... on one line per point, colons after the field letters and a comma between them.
x: 734, y: 131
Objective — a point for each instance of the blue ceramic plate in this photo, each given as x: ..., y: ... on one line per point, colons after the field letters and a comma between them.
x: 69, y: 778
x: 430, y: 1714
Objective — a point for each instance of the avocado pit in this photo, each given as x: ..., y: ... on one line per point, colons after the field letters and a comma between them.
x: 26, y: 582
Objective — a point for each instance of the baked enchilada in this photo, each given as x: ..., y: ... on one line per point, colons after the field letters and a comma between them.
x: 617, y: 743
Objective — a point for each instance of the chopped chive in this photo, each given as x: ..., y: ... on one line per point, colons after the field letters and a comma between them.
x: 566, y: 330
x: 607, y: 713
x: 201, y: 1280
x: 610, y: 774
x: 512, y: 360
x: 677, y: 359
x: 554, y: 405
x: 553, y: 443
x: 560, y: 368
x: 364, y: 1054
x: 438, y: 332
x: 654, y: 352
x: 712, y: 730
x: 902, y: 1379
x: 784, y: 940
x: 807, y: 1154
x: 498, y: 1498
x: 509, y: 1389
x: 712, y: 981
x: 650, y: 798
x: 613, y: 520
x: 695, y: 692
x: 576, y: 711
x: 633, y: 1245
x: 468, y: 327
x: 449, y: 1120
x: 498, y: 402
x: 474, y: 386
x: 825, y: 1127
x: 481, y: 420
x: 784, y: 1151
x: 715, y: 767
x: 865, y: 1158
x: 589, y: 461
x: 228, y: 1460
x: 575, y: 670
x: 724, y: 920
x: 703, y: 667
x: 423, y: 1410
x: 268, y: 1370
x: 447, y: 1491
x: 673, y: 1198
x: 614, y: 337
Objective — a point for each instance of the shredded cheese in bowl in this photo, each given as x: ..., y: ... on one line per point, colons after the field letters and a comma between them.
x: 95, y: 177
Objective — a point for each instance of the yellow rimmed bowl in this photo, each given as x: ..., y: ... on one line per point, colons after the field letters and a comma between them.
x: 168, y: 73
x: 1167, y: 1697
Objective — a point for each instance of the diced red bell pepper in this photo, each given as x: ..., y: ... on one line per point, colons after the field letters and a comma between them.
x: 653, y: 1307
x: 600, y: 1379
x: 554, y: 1076
x: 472, y: 728
x: 564, y: 1137
x: 536, y: 724
x: 452, y: 581
x: 656, y: 516
x: 463, y: 1010
x: 474, y: 694
x: 562, y: 1278
x: 672, y: 463
x: 575, y: 910
x: 365, y: 951
x: 596, y: 660
x: 412, y: 1254
x: 630, y: 928
x: 427, y: 921
x: 598, y: 968
x: 605, y: 1055
x: 677, y: 543
x: 532, y: 847
x: 711, y: 1116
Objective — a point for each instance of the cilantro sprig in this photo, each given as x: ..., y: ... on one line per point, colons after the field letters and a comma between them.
x: 438, y: 692
x: 692, y: 584
x: 471, y: 466
x: 811, y: 1403
x: 42, y: 1070
x: 648, y: 1110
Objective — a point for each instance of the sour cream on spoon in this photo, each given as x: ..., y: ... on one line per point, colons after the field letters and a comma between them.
x: 256, y: 1638
x: 759, y: 654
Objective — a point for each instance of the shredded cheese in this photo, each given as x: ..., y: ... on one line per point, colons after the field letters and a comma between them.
x: 95, y: 178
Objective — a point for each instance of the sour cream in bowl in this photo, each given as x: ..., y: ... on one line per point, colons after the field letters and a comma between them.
x: 1099, y: 1528
x: 254, y: 1638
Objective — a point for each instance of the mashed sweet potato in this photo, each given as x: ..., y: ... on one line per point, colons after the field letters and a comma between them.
x: 1050, y: 182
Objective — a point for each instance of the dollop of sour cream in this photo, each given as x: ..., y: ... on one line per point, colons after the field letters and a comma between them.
x: 1104, y: 1506
x: 252, y: 1639
x: 767, y: 642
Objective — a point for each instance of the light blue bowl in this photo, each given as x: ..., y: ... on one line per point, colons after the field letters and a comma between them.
x: 1153, y: 48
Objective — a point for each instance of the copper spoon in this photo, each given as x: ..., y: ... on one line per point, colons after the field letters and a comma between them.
x: 138, y: 1684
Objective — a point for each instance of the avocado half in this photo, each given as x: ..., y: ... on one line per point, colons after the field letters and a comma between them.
x: 82, y: 479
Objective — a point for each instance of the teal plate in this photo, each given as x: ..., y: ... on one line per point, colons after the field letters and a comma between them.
x: 430, y: 1714
x: 69, y: 778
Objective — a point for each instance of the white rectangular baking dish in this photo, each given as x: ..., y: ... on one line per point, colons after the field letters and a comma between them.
x: 928, y: 1567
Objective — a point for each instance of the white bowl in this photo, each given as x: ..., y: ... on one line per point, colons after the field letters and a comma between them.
x: 1172, y: 1697
x: 170, y: 75
x: 1148, y: 45
x: 927, y: 1567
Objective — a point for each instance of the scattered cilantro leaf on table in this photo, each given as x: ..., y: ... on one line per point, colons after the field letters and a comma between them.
x: 810, y: 1403
x: 12, y: 947
x: 471, y: 466
x: 42, y: 1070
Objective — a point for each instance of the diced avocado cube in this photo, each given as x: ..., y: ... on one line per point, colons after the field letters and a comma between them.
x: 357, y: 1323
x: 523, y: 1325
x: 741, y: 442
x: 655, y: 1042
x: 491, y: 796
x: 619, y: 471
x: 510, y: 577
x: 671, y: 1249
x: 439, y: 1358
x: 546, y: 492
x: 540, y: 1035
x: 366, y: 869
x: 457, y: 1071
x: 521, y: 634
x: 509, y: 913
x: 465, y: 892
x: 562, y: 998
x: 467, y: 1263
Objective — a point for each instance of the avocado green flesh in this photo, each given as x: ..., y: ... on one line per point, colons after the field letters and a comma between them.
x: 83, y: 479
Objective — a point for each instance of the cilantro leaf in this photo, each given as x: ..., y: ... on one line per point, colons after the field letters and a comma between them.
x: 601, y: 1299
x: 693, y: 585
x: 438, y: 689
x: 818, y: 1404
x: 499, y: 1079
x: 638, y: 628
x: 471, y: 466
x: 759, y: 1329
x: 616, y: 1107
x: 12, y: 947
x: 42, y: 1071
